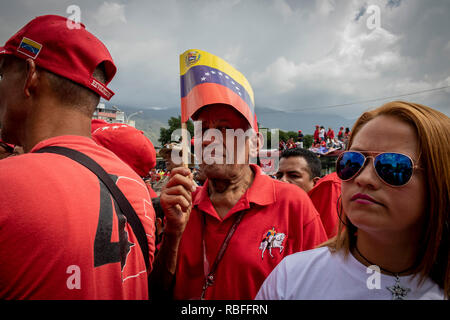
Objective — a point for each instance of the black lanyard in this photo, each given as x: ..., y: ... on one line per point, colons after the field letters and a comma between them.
x: 209, y: 273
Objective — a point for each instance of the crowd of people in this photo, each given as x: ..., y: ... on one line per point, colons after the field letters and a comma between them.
x: 323, y: 142
x: 80, y: 219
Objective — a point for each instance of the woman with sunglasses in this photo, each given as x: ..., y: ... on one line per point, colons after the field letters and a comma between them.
x: 393, y: 240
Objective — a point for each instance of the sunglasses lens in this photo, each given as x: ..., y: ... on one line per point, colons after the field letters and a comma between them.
x: 394, y: 168
x: 348, y: 164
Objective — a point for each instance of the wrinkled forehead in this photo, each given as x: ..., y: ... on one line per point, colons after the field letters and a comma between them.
x: 217, y: 115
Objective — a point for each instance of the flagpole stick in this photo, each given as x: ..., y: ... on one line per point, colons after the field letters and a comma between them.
x: 184, y: 145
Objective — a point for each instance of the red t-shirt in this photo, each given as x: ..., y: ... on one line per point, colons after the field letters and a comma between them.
x: 316, y: 134
x: 60, y: 234
x: 330, y: 134
x: 279, y: 212
x: 325, y: 195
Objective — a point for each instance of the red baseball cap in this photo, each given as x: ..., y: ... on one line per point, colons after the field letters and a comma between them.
x: 97, y: 123
x: 65, y: 48
x: 129, y: 144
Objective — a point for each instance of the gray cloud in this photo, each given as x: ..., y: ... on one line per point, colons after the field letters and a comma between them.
x: 296, y: 54
x: 361, y: 12
x: 393, y: 3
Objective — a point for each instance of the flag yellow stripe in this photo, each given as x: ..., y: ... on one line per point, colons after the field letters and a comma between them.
x: 31, y: 43
x: 210, y: 60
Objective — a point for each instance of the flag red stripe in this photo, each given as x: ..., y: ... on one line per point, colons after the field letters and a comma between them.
x: 210, y: 93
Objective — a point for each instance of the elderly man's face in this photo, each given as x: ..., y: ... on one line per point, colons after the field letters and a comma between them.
x: 223, y: 117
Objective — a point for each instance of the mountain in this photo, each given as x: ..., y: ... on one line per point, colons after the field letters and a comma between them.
x: 294, y: 121
x: 150, y: 121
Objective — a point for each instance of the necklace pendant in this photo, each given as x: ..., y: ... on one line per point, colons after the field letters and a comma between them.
x: 398, y: 292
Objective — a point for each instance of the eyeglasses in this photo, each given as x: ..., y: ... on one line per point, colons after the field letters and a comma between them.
x: 394, y: 169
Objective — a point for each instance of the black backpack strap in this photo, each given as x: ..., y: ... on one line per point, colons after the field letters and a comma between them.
x: 119, y: 197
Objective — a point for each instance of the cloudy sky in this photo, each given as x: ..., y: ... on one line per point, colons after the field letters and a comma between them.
x: 323, y: 56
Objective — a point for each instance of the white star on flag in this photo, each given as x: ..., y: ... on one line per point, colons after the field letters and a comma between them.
x: 240, y: 93
x: 206, y: 73
x: 213, y: 72
x: 227, y: 77
x: 237, y: 88
x: 232, y: 82
x: 220, y: 73
x: 203, y: 78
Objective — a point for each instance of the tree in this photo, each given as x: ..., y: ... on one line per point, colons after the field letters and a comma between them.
x: 165, y: 134
x: 307, y: 141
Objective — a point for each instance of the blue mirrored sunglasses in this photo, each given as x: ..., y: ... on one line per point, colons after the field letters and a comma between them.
x: 394, y: 169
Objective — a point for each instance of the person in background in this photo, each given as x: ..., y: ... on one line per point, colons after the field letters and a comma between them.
x: 129, y: 144
x: 330, y: 134
x: 290, y: 143
x: 340, y: 135
x: 393, y: 241
x: 300, y: 139
x: 322, y: 134
x: 316, y: 135
x: 300, y: 167
x: 137, y: 151
x: 282, y: 145
x: 325, y: 196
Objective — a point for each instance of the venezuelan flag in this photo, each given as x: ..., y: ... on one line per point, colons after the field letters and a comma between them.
x: 29, y: 47
x: 207, y: 79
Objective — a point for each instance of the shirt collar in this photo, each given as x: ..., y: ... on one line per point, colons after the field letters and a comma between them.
x: 261, y: 192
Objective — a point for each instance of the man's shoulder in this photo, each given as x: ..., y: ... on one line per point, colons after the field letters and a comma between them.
x: 286, y: 190
x: 327, y: 183
x: 18, y: 165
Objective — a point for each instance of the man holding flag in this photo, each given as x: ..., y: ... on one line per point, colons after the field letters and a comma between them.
x: 214, y: 246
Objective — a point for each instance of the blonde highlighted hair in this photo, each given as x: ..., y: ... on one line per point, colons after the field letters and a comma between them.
x: 433, y: 133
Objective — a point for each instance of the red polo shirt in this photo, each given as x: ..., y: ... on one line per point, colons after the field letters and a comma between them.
x: 325, y: 195
x: 272, y: 208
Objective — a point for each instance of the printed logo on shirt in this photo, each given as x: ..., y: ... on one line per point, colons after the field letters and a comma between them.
x: 272, y: 239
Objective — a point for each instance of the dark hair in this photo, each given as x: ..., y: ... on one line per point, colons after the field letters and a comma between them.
x: 74, y: 94
x: 67, y: 91
x: 314, y: 165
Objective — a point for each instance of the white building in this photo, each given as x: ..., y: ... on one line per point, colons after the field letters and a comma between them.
x: 113, y: 115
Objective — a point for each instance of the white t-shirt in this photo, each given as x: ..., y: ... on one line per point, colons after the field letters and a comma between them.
x: 319, y: 274
x: 322, y: 133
